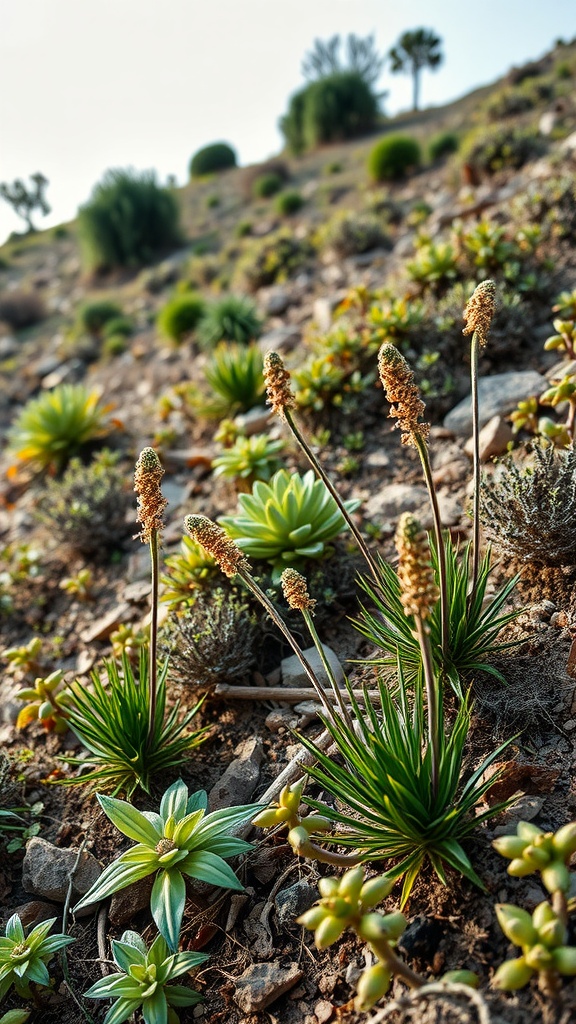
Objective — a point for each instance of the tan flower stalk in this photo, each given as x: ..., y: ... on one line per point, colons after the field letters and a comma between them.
x: 232, y: 562
x: 403, y: 395
x: 478, y: 317
x: 151, y: 504
x: 216, y: 541
x: 419, y: 595
x: 295, y: 590
x: 281, y: 398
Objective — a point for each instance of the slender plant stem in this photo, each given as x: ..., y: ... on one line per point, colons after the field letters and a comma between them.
x: 431, y: 686
x: 316, y: 466
x: 314, y: 852
x: 153, y: 657
x: 279, y: 621
x: 396, y: 966
x: 444, y: 611
x: 560, y: 906
x: 327, y: 668
x: 474, y: 349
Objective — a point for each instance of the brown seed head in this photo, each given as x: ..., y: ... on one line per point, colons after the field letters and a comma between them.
x: 403, y: 394
x: 419, y: 592
x: 295, y: 590
x: 480, y: 311
x: 151, y: 503
x: 278, y: 391
x: 217, y: 542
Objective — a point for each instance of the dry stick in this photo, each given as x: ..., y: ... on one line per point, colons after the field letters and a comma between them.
x: 427, y: 469
x: 316, y: 466
x: 286, y: 695
x: 65, y: 912
x: 439, y: 989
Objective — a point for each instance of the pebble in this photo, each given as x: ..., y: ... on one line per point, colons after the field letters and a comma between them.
x: 46, y: 872
x: 255, y: 421
x: 393, y: 499
x: 292, y: 902
x: 493, y: 439
x: 106, y: 624
x: 241, y: 777
x: 497, y: 396
x: 127, y: 902
x: 293, y: 673
x: 323, y: 1011
x: 261, y: 984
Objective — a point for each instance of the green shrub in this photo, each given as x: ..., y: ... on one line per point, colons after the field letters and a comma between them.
x: 118, y: 326
x: 334, y: 167
x: 180, y: 316
x: 289, y: 202
x: 493, y: 149
x: 334, y: 108
x: 393, y: 157
x: 235, y: 377
x: 266, y: 185
x: 443, y: 145
x: 86, y: 509
x: 213, y: 201
x: 56, y: 425
x: 128, y: 221
x: 274, y: 258
x: 348, y: 234
x: 213, y: 641
x: 20, y: 309
x: 232, y: 318
x: 218, y: 156
x: 251, y: 174
x: 95, y: 315
x: 243, y: 229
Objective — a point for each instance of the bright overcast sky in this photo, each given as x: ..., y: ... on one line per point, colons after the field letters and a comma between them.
x: 88, y: 85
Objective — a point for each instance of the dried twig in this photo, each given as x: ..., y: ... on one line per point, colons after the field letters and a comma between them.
x: 452, y: 993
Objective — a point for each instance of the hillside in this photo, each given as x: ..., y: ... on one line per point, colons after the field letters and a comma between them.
x: 355, y: 266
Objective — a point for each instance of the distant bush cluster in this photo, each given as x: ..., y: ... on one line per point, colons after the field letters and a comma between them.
x: 393, y: 157
x: 337, y: 107
x: 218, y: 156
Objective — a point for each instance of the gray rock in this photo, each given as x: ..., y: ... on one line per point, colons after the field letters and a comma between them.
x: 275, y: 300
x: 261, y: 984
x: 33, y: 912
x: 254, y: 421
x: 497, y: 396
x: 281, y: 339
x: 108, y: 623
x: 240, y: 778
x: 393, y: 499
x: 292, y: 902
x: 46, y: 872
x: 126, y: 903
x: 323, y: 309
x: 8, y: 346
x: 293, y: 673
x: 493, y: 439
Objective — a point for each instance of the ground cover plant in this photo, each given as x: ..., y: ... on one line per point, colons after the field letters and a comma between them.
x: 338, y: 783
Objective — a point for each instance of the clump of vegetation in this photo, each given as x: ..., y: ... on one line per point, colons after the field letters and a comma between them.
x: 274, y: 259
x: 187, y: 573
x: 443, y: 145
x: 488, y: 150
x: 218, y: 156
x: 128, y: 222
x: 180, y: 316
x: 249, y: 459
x: 348, y: 234
x: 24, y: 958
x: 287, y: 521
x: 528, y: 509
x: 289, y: 203
x: 336, y: 107
x: 235, y: 378
x: 213, y: 641
x: 56, y: 425
x: 266, y: 185
x: 393, y: 157
x: 95, y: 316
x: 20, y: 309
x: 45, y: 703
x: 231, y: 318
x: 86, y: 508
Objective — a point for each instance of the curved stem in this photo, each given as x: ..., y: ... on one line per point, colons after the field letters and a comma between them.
x: 474, y: 348
x: 316, y: 466
x: 442, y: 584
x: 431, y: 701
x: 314, y: 852
x: 279, y: 621
x: 327, y: 668
x: 395, y: 965
x: 153, y: 657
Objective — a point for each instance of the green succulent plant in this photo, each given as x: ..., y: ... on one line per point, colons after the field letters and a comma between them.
x: 249, y: 458
x: 54, y: 427
x: 23, y: 958
x: 435, y: 266
x: 543, y: 939
x: 187, y: 573
x: 286, y: 521
x: 235, y: 378
x: 231, y: 318
x: 143, y: 981
x: 181, y: 841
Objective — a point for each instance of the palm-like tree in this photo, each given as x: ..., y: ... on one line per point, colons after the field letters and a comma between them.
x: 416, y: 49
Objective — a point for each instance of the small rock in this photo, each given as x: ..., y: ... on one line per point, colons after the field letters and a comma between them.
x: 281, y: 339
x: 323, y: 309
x: 280, y: 718
x: 261, y: 984
x: 255, y: 421
x: 323, y: 1011
x: 34, y: 912
x: 8, y: 346
x: 127, y: 902
x: 377, y: 460
x: 189, y: 457
x: 393, y: 499
x: 493, y: 439
x: 570, y: 725
x: 275, y: 300
x: 524, y: 809
x: 174, y: 492
x: 293, y: 673
x: 292, y: 902
x: 421, y: 936
x: 240, y: 779
x: 46, y: 872
x: 497, y: 396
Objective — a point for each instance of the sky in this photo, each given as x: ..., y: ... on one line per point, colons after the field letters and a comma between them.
x: 86, y: 85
